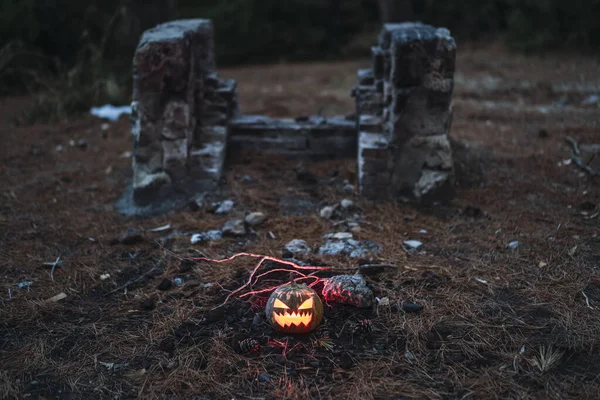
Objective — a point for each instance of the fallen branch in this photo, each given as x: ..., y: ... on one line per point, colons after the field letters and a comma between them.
x: 291, y: 264
x: 576, y: 157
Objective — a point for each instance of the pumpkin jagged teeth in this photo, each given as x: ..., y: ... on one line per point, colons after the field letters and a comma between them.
x: 294, y: 318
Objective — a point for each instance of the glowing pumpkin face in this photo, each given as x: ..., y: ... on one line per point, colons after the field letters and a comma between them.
x: 294, y: 308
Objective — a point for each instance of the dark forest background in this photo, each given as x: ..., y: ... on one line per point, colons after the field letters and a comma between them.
x: 84, y: 49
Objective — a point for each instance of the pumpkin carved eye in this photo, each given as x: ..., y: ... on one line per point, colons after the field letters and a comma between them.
x: 308, y: 304
x: 280, y: 304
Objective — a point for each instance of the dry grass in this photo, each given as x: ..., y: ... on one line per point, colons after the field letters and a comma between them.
x: 496, y: 323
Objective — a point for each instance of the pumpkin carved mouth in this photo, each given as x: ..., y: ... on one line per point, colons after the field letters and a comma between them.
x: 287, y: 319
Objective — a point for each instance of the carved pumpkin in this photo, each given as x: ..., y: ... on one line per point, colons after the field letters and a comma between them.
x: 294, y: 308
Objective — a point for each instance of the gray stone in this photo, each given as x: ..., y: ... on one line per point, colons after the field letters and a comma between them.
x: 298, y: 246
x: 327, y: 212
x: 350, y: 247
x: 206, y: 236
x: 224, y: 207
x: 348, y: 289
x: 338, y: 236
x: 234, y: 227
x: 255, y: 218
x: 346, y: 204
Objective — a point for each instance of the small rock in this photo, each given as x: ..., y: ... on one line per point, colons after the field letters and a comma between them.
x: 338, y: 235
x: 514, y: 244
x: 165, y: 284
x: 587, y: 206
x: 346, y: 204
x: 186, y: 265
x: 104, y: 277
x: 60, y: 148
x: 234, y: 227
x: 247, y: 178
x: 178, y: 282
x: 409, y: 218
x: 306, y: 176
x: 24, y: 284
x: 298, y: 246
x: 412, y: 244
x: 423, y: 231
x: 224, y: 207
x: 206, y: 236
x: 591, y: 100
x: 256, y: 320
x: 348, y: 289
x: 255, y: 218
x: 197, y: 203
x: 411, y: 308
x: 148, y: 304
x: 351, y: 247
x: 131, y: 236
x: 264, y: 378
x: 473, y: 212
x: 327, y: 212
x: 81, y: 143
x: 348, y: 188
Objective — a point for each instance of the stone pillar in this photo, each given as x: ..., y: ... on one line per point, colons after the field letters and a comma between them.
x: 414, y: 66
x: 169, y: 60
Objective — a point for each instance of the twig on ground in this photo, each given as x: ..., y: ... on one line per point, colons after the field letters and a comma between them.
x: 587, y: 300
x: 576, y: 157
x: 134, y: 280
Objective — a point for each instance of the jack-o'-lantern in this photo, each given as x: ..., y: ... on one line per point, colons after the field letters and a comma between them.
x: 294, y: 308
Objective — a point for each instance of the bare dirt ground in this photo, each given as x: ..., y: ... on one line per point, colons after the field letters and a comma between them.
x: 496, y: 322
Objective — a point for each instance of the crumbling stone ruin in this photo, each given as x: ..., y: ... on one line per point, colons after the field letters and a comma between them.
x: 185, y: 117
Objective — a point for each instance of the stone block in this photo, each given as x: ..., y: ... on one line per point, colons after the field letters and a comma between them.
x: 175, y: 155
x: 377, y: 59
x: 418, y: 50
x: 177, y: 121
x: 419, y: 111
x: 365, y: 77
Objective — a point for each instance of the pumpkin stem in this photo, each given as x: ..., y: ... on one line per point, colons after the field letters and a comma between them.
x: 292, y: 282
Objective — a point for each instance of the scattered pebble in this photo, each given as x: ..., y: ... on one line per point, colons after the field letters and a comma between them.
x: 587, y: 206
x: 348, y: 188
x: 206, y: 236
x: 263, y: 378
x: 104, y: 277
x: 346, y: 204
x: 60, y: 148
x: 148, y: 304
x: 24, y: 284
x: 423, y: 231
x: 234, y: 227
x: 178, y: 282
x: 165, y: 284
x: 338, y: 236
x: 298, y: 246
x: 412, y: 244
x: 224, y: 207
x: 255, y: 218
x: 348, y: 289
x: 327, y: 212
x: 351, y: 247
x: 411, y: 308
x: 591, y: 100
x: 409, y: 218
x: 131, y: 236
x: 514, y: 244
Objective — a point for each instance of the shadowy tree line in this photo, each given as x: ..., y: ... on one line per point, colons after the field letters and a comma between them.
x: 91, y: 44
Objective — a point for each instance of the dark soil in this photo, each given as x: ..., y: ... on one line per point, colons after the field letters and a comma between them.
x: 495, y: 322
